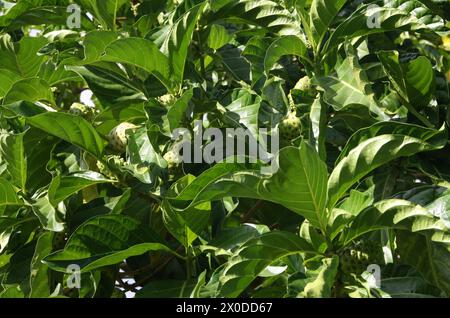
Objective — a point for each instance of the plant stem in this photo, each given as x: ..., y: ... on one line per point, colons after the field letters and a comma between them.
x: 189, y: 263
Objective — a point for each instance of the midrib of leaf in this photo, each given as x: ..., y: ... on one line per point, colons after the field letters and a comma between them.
x: 114, y: 15
x: 22, y: 166
x: 316, y: 208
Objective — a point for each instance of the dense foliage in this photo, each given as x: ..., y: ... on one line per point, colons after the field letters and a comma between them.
x: 358, y: 89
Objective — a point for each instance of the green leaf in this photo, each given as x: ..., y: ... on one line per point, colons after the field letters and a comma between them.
x: 110, y: 84
x: 255, y: 53
x: 70, y: 128
x: 431, y: 259
x: 373, y: 153
x: 47, y: 214
x: 398, y: 214
x: 13, y: 153
x: 383, y: 128
x: 22, y: 59
x: 178, y: 39
x: 243, y: 112
x: 321, y: 15
x: 34, y: 12
x: 413, y: 81
x: 141, y: 53
x: 318, y: 117
x: 235, y: 63
x: 286, y: 45
x: 186, y: 225
x: 269, y: 15
x: 104, y: 11
x: 364, y: 22
x: 54, y: 74
x: 218, y: 37
x: 230, y: 239
x: 26, y: 156
x: 311, y: 235
x: 30, y: 90
x: 39, y: 277
x: 254, y: 256
x: 95, y: 43
x: 7, y: 79
x: 349, y: 85
x: 177, y: 111
x: 299, y: 184
x: 8, y: 195
x: 325, y: 280
x: 63, y: 187
x: 105, y: 240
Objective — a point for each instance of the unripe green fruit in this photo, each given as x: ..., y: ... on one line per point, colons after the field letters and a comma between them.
x: 304, y: 85
x: 174, y: 164
x: 167, y: 100
x: 118, y: 138
x: 82, y: 110
x: 290, y: 128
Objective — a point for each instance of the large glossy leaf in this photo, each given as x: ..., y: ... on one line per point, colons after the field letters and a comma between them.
x: 262, y: 13
x: 110, y: 84
x: 373, y: 153
x: 30, y: 90
x: 34, y: 12
x: 22, y: 59
x: 103, y: 241
x: 37, y: 145
x: 178, y: 39
x: 398, y: 214
x: 286, y: 45
x: 426, y: 11
x: 383, y: 128
x: 218, y: 36
x: 431, y: 259
x: 299, y: 184
x: 40, y: 278
x: 243, y: 112
x: 13, y: 153
x: 255, y: 53
x: 186, y: 225
x: 414, y: 81
x: 95, y: 43
x: 70, y: 128
x: 349, y: 85
x: 318, y: 117
x: 26, y: 156
x: 234, y: 62
x: 62, y: 187
x: 7, y: 79
x: 254, y: 256
x: 54, y: 74
x: 8, y: 194
x: 47, y: 214
x: 321, y: 15
x: 364, y: 22
x: 141, y: 53
x: 104, y: 11
x: 177, y: 111
x: 322, y: 285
